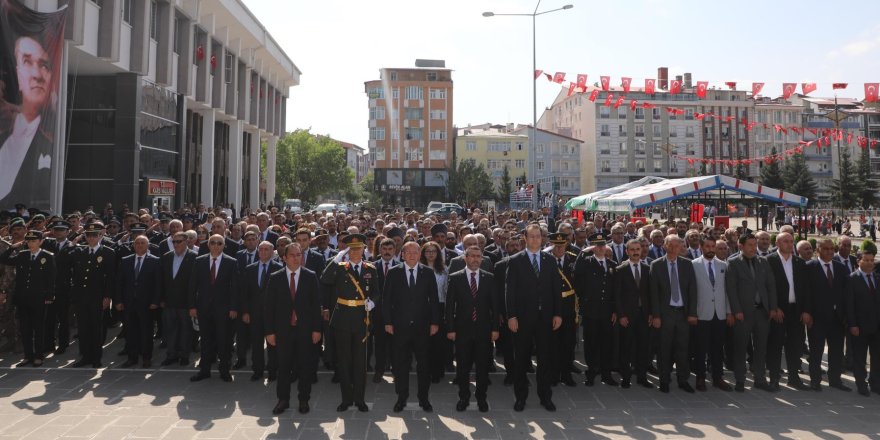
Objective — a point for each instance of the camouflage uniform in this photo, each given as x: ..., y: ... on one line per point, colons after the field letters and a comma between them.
x: 7, y: 311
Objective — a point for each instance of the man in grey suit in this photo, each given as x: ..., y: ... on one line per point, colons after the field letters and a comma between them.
x: 751, y: 290
x: 713, y: 312
x: 674, y: 310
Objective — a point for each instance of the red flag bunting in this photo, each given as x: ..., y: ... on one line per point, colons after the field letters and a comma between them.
x: 538, y: 73
x: 674, y: 87
x: 619, y: 102
x: 649, y: 86
x: 593, y: 95
x: 808, y: 88
x: 605, y: 81
x: 701, y: 89
x: 871, y: 90
x: 839, y: 86
x: 559, y: 77
x: 609, y: 99
x: 549, y: 76
x: 648, y: 105
x: 756, y: 88
x: 571, y: 87
x: 633, y: 104
x: 582, y: 81
x: 731, y: 85
x: 625, y: 82
x: 788, y: 90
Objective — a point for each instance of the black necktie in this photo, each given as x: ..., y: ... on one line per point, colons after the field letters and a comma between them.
x: 412, y: 278
x: 357, y: 270
x: 871, y: 286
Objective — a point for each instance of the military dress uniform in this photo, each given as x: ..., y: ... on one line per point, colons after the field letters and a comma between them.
x: 565, y: 339
x: 593, y: 283
x: 92, y: 275
x: 352, y: 288
x: 34, y: 288
x: 7, y: 310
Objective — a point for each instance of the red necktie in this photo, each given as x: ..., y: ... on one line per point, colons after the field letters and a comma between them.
x: 385, y: 268
x: 213, y: 270
x: 474, y: 295
x: 293, y: 298
x: 829, y: 274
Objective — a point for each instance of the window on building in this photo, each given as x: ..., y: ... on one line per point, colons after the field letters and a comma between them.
x: 414, y: 92
x: 229, y: 68
x: 376, y: 93
x: 392, y: 76
x: 621, y: 130
x: 604, y: 130
x: 655, y: 113
x: 689, y: 114
x: 175, y: 36
x: 640, y: 130
x: 437, y: 93
x: 438, y: 135
x: 690, y: 150
x: 621, y: 112
x: 438, y: 115
x: 395, y: 134
x: 565, y: 165
x: 689, y: 132
x: 437, y: 155
x: 413, y: 114
x: 519, y: 146
x: 377, y: 112
x: 539, y: 148
x: 622, y: 167
x: 520, y: 163
x: 377, y: 133
x: 431, y: 76
x: 379, y: 154
x: 413, y: 134
x: 126, y: 11
x: 395, y: 93
x: 154, y: 20
x: 621, y: 149
x: 499, y: 146
x: 604, y: 149
x: 640, y: 113
x: 605, y: 166
x: 604, y: 112
x: 640, y: 166
x: 656, y: 130
x: 539, y: 166
x: 471, y: 146
x: 655, y: 147
x: 566, y: 149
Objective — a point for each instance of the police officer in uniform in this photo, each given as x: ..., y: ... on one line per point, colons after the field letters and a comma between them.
x: 58, y: 313
x: 34, y: 289
x: 92, y: 272
x: 566, y: 337
x: 353, y: 283
x: 593, y: 284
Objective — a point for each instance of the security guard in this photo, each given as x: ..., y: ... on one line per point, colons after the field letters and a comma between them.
x: 354, y: 285
x: 34, y: 289
x: 566, y: 338
x: 92, y: 271
x: 593, y: 285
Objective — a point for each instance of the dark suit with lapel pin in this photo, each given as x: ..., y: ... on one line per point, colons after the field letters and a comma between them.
x: 255, y: 282
x: 632, y: 300
x: 472, y: 317
x: 674, y: 327
x: 863, y: 312
x: 214, y: 297
x: 827, y: 307
x: 174, y: 297
x: 138, y: 289
x: 790, y: 333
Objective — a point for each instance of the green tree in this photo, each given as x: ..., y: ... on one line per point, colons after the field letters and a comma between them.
x: 846, y: 189
x: 771, y: 174
x: 468, y: 182
x: 367, y: 191
x: 309, y: 166
x: 870, y: 186
x: 504, y: 186
x: 798, y: 179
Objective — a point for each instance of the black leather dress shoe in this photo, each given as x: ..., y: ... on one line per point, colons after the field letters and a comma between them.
x: 548, y: 405
x: 816, y: 386
x: 25, y: 363
x: 608, y: 380
x: 798, y: 385
x: 343, y: 407
x: 590, y: 381
x: 426, y: 406
x: 362, y: 407
x: 625, y: 384
x: 461, y: 405
x: 304, y: 407
x: 399, y: 406
x: 762, y: 385
x: 280, y: 407
x: 272, y: 377
x: 644, y: 382
x: 199, y: 376
x: 519, y: 405
x: 60, y: 350
x: 740, y: 387
x: 863, y: 390
x: 483, y: 406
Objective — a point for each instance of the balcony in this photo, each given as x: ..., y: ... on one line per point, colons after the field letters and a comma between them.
x: 605, y: 152
x: 605, y: 170
x: 605, y: 133
x: 640, y: 134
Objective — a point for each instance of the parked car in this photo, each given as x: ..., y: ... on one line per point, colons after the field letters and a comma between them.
x: 329, y: 207
x: 294, y: 205
x: 446, y: 211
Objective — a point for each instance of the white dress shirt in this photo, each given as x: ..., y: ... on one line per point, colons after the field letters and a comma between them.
x: 788, y: 267
x: 15, y: 149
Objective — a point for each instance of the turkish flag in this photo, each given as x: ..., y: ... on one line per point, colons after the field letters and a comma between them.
x: 756, y: 88
x: 605, y: 80
x: 633, y: 104
x: 701, y: 89
x: 874, y: 143
x: 571, y: 87
x: 582, y: 81
x: 549, y: 76
x: 649, y: 86
x: 648, y: 105
x: 625, y: 82
x: 675, y: 87
x: 609, y: 99
x: 839, y: 86
x: 619, y: 102
x: 788, y: 90
x: 559, y: 77
x: 849, y: 137
x: 593, y: 95
x: 538, y: 73
x: 699, y: 116
x: 731, y: 85
x: 871, y: 91
x: 808, y: 88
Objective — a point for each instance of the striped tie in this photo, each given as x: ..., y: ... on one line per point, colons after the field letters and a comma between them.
x: 474, y: 295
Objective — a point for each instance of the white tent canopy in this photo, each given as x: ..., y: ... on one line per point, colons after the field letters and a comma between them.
x: 587, y: 202
x: 673, y: 189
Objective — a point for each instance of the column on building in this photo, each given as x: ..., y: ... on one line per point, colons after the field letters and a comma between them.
x: 207, y: 196
x: 254, y: 190
x: 271, y: 155
x: 236, y: 192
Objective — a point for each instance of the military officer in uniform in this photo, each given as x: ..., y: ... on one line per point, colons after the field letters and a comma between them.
x: 17, y: 230
x: 593, y: 283
x: 58, y: 313
x: 566, y: 338
x: 92, y: 275
x: 354, y: 283
x: 34, y: 289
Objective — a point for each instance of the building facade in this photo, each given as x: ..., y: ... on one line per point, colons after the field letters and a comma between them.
x: 168, y: 102
x: 410, y: 125
x: 558, y: 160
x: 495, y: 150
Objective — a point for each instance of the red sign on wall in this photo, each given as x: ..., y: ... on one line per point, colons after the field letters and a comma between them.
x: 161, y: 187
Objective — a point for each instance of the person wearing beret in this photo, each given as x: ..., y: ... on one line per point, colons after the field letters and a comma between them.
x: 353, y: 286
x: 34, y: 290
x: 593, y: 283
x: 92, y: 274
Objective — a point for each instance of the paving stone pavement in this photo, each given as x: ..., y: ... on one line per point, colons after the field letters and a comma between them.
x: 159, y: 403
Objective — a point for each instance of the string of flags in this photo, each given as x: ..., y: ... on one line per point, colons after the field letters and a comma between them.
x: 768, y: 159
x: 872, y: 90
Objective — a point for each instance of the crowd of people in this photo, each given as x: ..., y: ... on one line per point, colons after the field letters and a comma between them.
x: 368, y: 291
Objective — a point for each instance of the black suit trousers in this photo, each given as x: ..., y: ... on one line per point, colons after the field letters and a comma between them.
x: 710, y: 337
x: 789, y: 335
x: 295, y: 354
x: 832, y: 334
x: 242, y: 338
x: 57, y: 317
x: 407, y: 343
x: 351, y: 365
x: 178, y: 333
x: 470, y: 350
x: 379, y: 345
x: 440, y: 354
x: 598, y: 339
x: 90, y: 329
x: 138, y: 332
x: 259, y: 350
x: 861, y: 344
x: 564, y: 341
x: 539, y: 336
x: 635, y: 346
x: 31, y: 325
x: 214, y: 330
x: 674, y: 338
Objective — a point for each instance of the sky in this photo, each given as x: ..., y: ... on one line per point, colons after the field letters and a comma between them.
x: 340, y: 44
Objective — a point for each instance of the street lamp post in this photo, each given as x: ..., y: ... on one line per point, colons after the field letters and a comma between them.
x: 533, y: 138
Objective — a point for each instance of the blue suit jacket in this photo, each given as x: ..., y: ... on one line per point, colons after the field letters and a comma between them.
x: 139, y: 290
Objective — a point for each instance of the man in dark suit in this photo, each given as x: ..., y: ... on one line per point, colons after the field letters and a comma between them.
x: 245, y: 257
x: 353, y: 287
x: 534, y: 312
x: 505, y: 343
x: 266, y: 234
x: 381, y: 346
x: 176, y: 272
x: 254, y: 282
x: 751, y: 291
x: 230, y: 247
x: 592, y: 280
x: 863, y: 320
x: 34, y: 290
x: 92, y: 276
x: 213, y: 300
x: 789, y: 271
x: 137, y: 295
x: 411, y: 311
x: 827, y: 283
x: 314, y: 261
x: 458, y: 263
x: 166, y: 244
x: 472, y: 324
x: 674, y: 310
x: 656, y: 250
x: 566, y: 337
x: 293, y: 326
x: 844, y: 254
x: 632, y: 302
